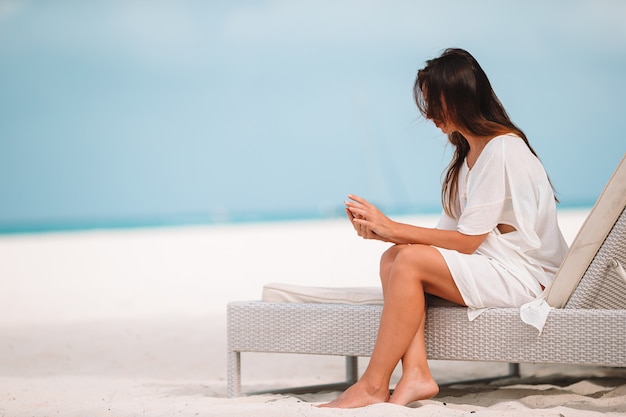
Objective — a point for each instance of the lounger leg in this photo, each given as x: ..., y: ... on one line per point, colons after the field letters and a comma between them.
x: 514, y: 371
x: 234, y: 374
x: 352, y: 369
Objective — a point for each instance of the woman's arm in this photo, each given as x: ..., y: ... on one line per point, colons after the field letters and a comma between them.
x: 371, y: 223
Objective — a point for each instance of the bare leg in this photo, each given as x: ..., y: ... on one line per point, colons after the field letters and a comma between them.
x: 417, y: 381
x: 414, y: 270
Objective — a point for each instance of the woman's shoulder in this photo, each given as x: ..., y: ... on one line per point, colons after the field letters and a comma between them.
x: 506, y: 138
x: 512, y: 152
x: 509, y: 151
x: 509, y: 144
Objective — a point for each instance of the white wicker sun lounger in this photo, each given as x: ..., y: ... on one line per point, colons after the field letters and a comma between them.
x: 586, y: 326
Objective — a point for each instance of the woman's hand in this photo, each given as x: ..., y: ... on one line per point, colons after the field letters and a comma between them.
x: 361, y: 230
x: 371, y: 223
x: 368, y: 221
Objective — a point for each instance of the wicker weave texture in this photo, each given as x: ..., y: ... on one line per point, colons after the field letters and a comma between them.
x: 590, y: 337
x: 601, y: 286
x: 571, y: 336
x: 595, y: 337
x: 255, y: 326
x: 325, y: 329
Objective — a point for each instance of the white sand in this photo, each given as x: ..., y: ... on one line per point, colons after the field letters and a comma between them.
x: 132, y: 322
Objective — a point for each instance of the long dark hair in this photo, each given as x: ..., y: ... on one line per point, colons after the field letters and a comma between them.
x: 454, y: 87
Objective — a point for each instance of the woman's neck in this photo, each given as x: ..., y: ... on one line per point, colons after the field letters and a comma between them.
x: 476, y: 146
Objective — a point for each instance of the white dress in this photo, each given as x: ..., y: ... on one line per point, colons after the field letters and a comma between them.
x: 507, y: 185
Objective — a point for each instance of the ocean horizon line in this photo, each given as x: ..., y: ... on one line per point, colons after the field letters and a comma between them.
x: 210, y: 219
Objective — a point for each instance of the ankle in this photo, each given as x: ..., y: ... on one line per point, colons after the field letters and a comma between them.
x: 421, y: 373
x: 375, y: 388
x: 375, y: 385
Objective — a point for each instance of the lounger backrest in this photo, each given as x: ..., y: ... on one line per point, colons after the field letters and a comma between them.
x: 590, y: 274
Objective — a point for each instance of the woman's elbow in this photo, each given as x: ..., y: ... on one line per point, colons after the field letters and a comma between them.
x: 467, y: 250
x: 470, y: 243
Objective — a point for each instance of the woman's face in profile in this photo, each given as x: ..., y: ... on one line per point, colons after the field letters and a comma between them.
x: 442, y: 122
x: 447, y: 127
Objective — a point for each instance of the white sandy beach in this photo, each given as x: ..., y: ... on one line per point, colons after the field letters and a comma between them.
x: 132, y: 322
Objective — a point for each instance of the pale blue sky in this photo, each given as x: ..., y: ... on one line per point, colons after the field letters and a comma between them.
x: 144, y: 111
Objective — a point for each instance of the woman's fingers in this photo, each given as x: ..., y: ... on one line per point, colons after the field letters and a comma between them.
x: 358, y: 199
x: 358, y: 203
x: 352, y: 217
x: 358, y: 206
x: 362, y: 215
x: 356, y: 221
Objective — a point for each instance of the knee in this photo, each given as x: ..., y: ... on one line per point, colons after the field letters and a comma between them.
x: 386, y: 264
x: 408, y: 260
x: 389, y: 256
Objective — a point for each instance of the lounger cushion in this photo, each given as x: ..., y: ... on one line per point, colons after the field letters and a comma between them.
x: 594, y: 230
x: 287, y: 293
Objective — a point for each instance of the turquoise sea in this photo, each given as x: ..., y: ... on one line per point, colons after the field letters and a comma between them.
x: 156, y: 113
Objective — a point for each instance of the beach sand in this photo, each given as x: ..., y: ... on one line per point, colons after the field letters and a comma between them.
x: 132, y: 322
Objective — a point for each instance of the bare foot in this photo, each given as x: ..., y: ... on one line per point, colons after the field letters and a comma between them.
x: 414, y: 388
x: 359, y: 395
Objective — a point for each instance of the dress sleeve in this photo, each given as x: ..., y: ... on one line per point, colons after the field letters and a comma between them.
x: 446, y: 222
x: 487, y: 192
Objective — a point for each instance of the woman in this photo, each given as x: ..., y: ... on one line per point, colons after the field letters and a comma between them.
x: 497, y: 244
